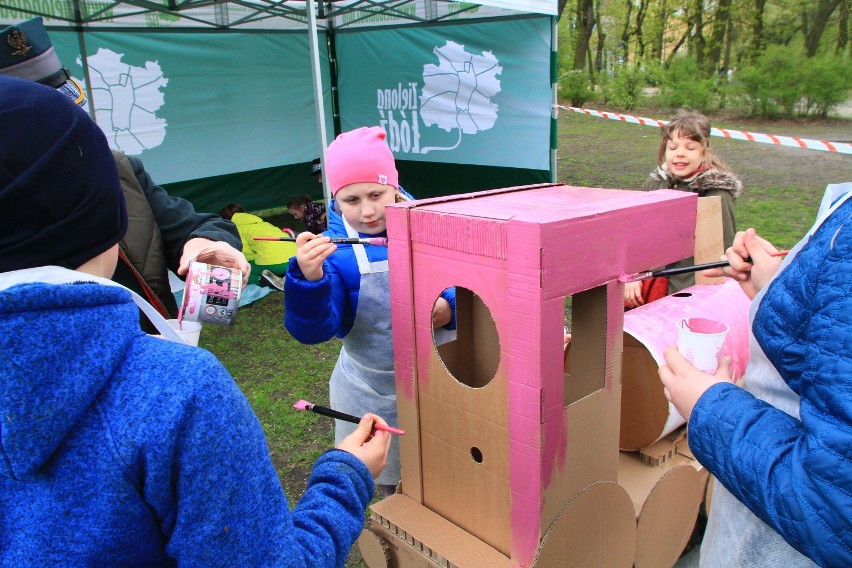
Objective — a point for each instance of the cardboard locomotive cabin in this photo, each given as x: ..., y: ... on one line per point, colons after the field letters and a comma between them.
x: 510, y: 459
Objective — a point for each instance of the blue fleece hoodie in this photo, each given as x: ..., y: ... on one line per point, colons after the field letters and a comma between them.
x: 121, y: 449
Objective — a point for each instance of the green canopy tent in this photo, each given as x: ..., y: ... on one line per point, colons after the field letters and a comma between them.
x: 230, y: 100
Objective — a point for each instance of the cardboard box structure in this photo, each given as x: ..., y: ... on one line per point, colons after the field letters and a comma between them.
x: 511, y: 459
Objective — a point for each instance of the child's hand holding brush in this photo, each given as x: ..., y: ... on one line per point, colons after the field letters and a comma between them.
x: 752, y: 260
x: 368, y: 444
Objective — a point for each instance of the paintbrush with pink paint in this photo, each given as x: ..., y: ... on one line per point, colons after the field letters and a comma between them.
x: 625, y: 278
x: 305, y: 405
x: 377, y: 241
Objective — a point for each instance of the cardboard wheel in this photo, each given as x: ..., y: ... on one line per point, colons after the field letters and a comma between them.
x: 668, y: 517
x: 374, y: 549
x: 596, y: 528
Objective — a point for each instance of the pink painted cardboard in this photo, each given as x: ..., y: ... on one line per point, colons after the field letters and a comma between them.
x: 521, y: 250
x: 654, y: 325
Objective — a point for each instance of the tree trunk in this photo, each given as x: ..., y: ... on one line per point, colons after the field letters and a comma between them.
x: 729, y: 41
x: 843, y: 29
x: 625, y: 33
x: 640, y: 22
x: 679, y: 43
x: 586, y: 19
x: 698, y: 44
x: 717, y: 37
x: 758, y: 42
x: 599, y: 54
x: 658, y: 42
x: 825, y: 8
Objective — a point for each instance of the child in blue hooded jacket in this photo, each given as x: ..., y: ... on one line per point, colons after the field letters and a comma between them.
x: 344, y: 290
x: 120, y: 448
x: 780, y: 448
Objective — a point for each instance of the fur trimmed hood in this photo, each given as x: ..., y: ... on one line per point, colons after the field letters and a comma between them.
x: 705, y: 180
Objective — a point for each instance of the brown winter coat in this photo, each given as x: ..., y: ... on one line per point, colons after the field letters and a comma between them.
x: 706, y: 183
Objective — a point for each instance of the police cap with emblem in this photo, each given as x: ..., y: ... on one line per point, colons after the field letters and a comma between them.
x: 27, y: 52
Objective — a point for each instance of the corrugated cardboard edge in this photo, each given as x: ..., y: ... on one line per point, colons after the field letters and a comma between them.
x: 426, y: 533
x: 405, y: 346
x: 709, y: 236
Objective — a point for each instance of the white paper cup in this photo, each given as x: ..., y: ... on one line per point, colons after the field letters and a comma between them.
x: 700, y: 341
x: 189, y: 331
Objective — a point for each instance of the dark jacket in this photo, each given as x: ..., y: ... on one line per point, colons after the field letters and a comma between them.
x: 707, y: 183
x: 158, y: 227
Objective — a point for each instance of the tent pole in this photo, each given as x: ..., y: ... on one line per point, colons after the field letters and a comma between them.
x: 554, y: 85
x: 318, y: 96
x: 331, y: 44
x: 84, y: 58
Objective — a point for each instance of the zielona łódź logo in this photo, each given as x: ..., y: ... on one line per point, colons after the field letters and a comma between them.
x: 456, y: 96
x: 126, y: 100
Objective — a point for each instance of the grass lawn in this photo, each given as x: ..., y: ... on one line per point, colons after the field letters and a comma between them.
x: 783, y: 187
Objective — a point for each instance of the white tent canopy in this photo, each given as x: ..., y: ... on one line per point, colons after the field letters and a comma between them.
x: 258, y: 14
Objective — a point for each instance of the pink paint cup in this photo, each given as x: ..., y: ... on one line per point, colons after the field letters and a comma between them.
x: 700, y: 341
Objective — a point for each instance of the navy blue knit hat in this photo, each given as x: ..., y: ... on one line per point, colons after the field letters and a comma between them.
x: 60, y: 198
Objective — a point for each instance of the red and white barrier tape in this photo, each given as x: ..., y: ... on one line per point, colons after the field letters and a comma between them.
x: 825, y: 145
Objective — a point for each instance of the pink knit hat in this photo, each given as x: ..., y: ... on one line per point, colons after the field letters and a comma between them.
x: 359, y: 156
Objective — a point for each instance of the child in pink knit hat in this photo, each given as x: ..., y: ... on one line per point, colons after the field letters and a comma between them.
x: 343, y: 290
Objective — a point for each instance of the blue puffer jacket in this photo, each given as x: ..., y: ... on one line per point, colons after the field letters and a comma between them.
x: 317, y: 311
x: 795, y: 475
x: 122, y: 449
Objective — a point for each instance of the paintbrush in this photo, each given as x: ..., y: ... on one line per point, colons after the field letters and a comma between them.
x: 378, y: 241
x: 625, y: 278
x: 305, y: 405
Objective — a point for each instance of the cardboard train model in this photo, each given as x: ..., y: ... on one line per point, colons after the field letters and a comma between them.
x: 517, y: 452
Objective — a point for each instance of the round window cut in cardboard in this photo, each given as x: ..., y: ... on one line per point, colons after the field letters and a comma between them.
x: 471, y: 354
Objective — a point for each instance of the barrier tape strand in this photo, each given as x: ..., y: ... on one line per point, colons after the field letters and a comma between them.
x: 791, y: 141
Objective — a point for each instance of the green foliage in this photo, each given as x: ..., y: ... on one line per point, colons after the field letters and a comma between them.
x: 826, y: 82
x: 681, y: 86
x: 654, y: 72
x: 566, y: 39
x: 575, y: 86
x: 772, y: 85
x: 624, y: 89
x: 783, y: 83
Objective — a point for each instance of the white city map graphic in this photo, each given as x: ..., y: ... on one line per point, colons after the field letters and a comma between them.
x: 126, y: 100
x: 456, y: 92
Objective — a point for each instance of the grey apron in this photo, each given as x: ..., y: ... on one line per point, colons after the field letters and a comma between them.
x: 363, y: 378
x: 735, y: 537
